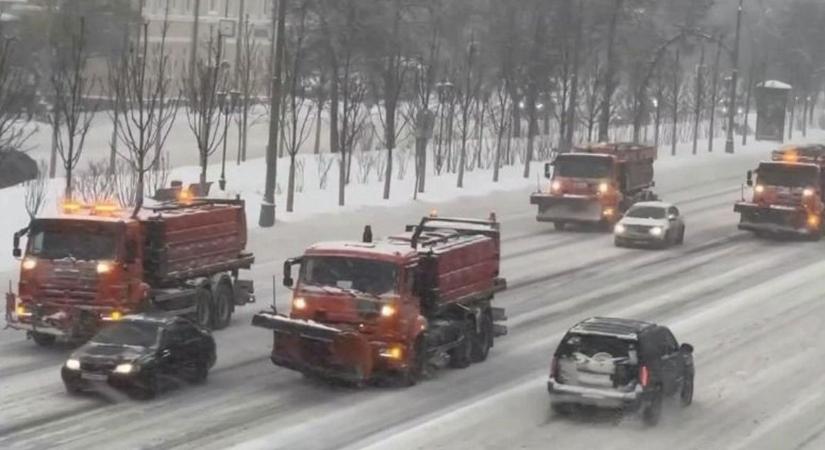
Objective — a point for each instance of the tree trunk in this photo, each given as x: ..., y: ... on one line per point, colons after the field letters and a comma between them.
x: 53, y: 156
x: 676, y: 84
x: 714, y: 91
x: 610, y: 75
x: 318, y: 118
x: 574, y: 83
x: 698, y: 106
x: 531, y: 128
x: 290, y: 193
x: 391, y: 107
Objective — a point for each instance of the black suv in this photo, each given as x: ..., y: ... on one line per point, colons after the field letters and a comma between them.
x: 620, y: 363
x: 142, y: 354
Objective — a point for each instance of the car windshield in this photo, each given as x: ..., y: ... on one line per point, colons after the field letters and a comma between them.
x: 573, y: 166
x: 788, y: 175
x: 137, y: 334
x: 88, y: 245
x: 364, y: 275
x: 646, y: 212
x: 590, y: 345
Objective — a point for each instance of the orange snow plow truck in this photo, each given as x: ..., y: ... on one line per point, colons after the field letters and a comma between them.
x: 364, y: 311
x: 94, y: 264
x: 788, y: 194
x: 595, y: 184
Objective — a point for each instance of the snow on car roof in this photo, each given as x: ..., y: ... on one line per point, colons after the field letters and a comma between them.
x: 656, y: 204
x: 608, y: 326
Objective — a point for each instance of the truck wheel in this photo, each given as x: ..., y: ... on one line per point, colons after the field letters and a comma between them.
x: 412, y: 375
x: 483, y: 340
x: 203, y: 307
x: 222, y: 311
x: 461, y: 356
x: 43, y: 339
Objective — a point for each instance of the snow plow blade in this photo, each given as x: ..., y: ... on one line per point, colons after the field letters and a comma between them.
x: 316, y: 349
x: 569, y: 208
x: 772, y: 219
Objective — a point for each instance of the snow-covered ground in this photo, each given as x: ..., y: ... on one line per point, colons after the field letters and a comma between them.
x: 752, y: 309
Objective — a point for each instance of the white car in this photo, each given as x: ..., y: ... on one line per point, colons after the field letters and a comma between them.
x: 650, y: 223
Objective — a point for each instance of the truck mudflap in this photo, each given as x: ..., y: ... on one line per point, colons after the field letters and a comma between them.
x: 316, y: 349
x: 567, y: 208
x: 773, y: 219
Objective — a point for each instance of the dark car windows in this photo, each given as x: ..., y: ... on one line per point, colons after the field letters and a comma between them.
x: 669, y: 342
x: 590, y: 345
x: 139, y: 334
x: 646, y: 212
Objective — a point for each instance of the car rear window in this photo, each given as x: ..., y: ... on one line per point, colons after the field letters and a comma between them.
x: 591, y: 344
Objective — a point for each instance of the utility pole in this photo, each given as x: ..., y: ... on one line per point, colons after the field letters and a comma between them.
x: 193, y: 50
x: 734, y: 80
x: 267, y: 217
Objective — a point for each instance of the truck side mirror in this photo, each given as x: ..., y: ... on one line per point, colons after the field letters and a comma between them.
x: 17, y: 252
x: 750, y: 178
x: 288, y: 281
x: 548, y: 170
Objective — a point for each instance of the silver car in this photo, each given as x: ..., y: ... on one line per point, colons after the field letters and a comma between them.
x: 656, y: 224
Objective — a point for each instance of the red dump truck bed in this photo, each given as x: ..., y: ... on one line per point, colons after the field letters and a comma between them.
x: 196, y: 240
x: 621, y: 151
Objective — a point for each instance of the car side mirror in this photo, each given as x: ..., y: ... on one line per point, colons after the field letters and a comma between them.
x: 548, y: 170
x: 749, y: 181
x: 686, y: 348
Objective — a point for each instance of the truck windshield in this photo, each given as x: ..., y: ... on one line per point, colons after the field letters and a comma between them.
x: 572, y: 166
x: 136, y: 334
x: 72, y: 243
x: 788, y: 175
x: 364, y: 275
x: 646, y: 212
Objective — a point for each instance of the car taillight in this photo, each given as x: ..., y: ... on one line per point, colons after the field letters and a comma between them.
x: 644, y: 376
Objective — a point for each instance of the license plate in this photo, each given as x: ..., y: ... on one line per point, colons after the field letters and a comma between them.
x: 94, y: 376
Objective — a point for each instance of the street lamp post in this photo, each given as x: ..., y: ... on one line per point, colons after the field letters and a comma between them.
x: 734, y: 79
x: 223, y: 104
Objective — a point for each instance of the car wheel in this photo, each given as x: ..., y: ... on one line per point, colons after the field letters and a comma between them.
x: 652, y: 411
x: 559, y: 226
x: 203, y: 307
x: 72, y: 388
x: 43, y: 339
x: 681, y: 239
x: 686, y: 396
x: 199, y: 372
x: 461, y: 355
x: 483, y: 340
x: 222, y: 311
x: 149, y: 386
x: 618, y: 243
x: 562, y: 409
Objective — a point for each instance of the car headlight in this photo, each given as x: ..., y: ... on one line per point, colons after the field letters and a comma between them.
x: 73, y: 364
x: 619, y: 229
x: 656, y: 231
x: 387, y: 311
x: 299, y: 303
x: 125, y: 368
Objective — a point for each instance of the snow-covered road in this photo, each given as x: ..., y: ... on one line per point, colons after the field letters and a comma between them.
x: 751, y: 308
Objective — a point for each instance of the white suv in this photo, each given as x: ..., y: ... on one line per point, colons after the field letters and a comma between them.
x: 650, y: 223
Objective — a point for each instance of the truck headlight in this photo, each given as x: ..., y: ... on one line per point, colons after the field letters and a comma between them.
x: 656, y: 231
x: 555, y: 186
x: 22, y: 311
x: 29, y: 263
x: 759, y: 189
x: 104, y: 267
x: 619, y: 229
x: 388, y: 311
x: 603, y: 188
x: 395, y: 352
x: 299, y: 303
x: 73, y: 364
x: 125, y: 368
x: 808, y: 192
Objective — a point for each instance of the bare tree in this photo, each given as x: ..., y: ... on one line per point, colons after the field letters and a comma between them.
x: 298, y: 109
x: 203, y: 109
x: 72, y: 87
x: 248, y: 83
x: 35, y: 190
x: 142, y: 85
x: 468, y: 99
x: 13, y: 120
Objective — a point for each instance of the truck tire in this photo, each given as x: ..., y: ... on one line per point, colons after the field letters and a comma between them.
x: 203, y: 307
x: 223, y: 301
x: 462, y: 355
x: 43, y: 339
x: 415, y: 370
x: 482, y: 338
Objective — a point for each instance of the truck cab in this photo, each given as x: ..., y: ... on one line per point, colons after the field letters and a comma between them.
x: 76, y: 271
x: 787, y: 195
x: 595, y: 184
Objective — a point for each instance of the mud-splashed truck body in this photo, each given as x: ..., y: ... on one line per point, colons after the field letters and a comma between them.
x: 595, y: 184
x: 363, y: 311
x: 91, y: 265
x: 788, y: 194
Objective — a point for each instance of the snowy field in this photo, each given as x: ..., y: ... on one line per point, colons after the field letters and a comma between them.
x: 752, y: 309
